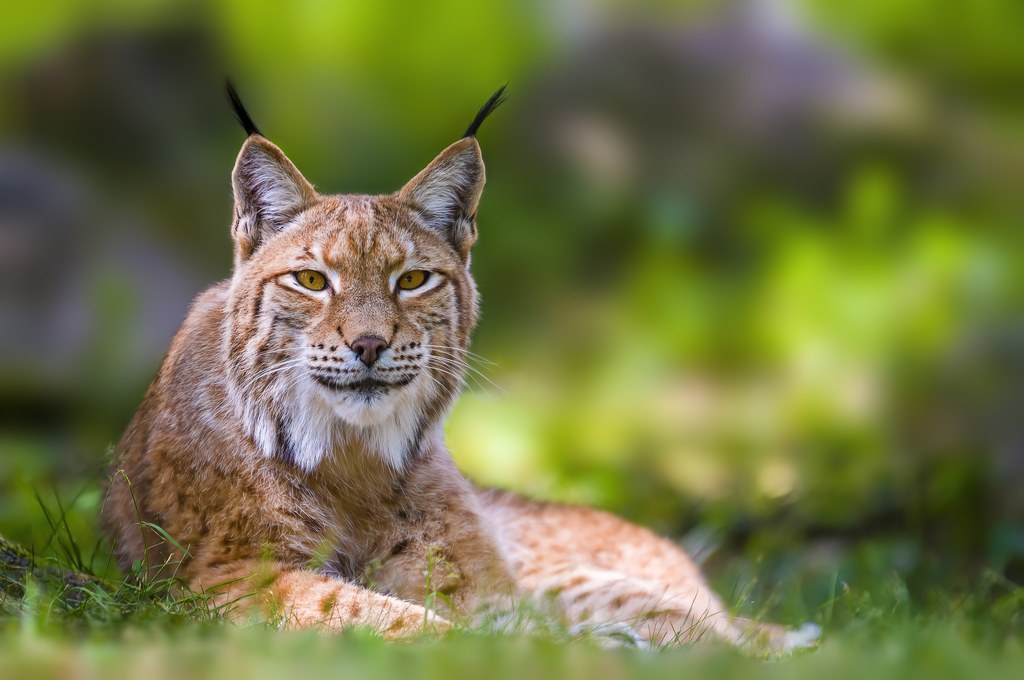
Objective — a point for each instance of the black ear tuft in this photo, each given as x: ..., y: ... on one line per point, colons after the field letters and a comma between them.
x: 496, y: 100
x: 239, y: 108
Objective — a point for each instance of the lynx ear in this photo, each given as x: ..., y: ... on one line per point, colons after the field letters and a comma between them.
x: 269, y: 192
x: 447, y: 192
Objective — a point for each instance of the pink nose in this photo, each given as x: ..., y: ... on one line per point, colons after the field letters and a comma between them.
x: 369, y: 347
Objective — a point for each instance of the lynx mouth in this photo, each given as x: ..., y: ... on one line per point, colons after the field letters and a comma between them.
x: 363, y: 386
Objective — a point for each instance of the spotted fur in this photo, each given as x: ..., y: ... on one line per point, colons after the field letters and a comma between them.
x: 316, y: 487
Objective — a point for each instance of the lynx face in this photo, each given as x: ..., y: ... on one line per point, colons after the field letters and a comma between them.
x: 349, y: 315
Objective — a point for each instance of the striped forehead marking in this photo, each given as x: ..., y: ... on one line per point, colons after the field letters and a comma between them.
x: 362, y: 233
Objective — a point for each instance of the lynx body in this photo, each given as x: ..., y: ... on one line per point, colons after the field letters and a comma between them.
x: 292, y: 441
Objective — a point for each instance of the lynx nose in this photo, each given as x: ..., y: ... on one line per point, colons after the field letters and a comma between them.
x: 369, y: 347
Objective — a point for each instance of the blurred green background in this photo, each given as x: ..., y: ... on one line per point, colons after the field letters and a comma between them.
x: 751, y: 271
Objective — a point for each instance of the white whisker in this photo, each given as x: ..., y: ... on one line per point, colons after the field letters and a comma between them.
x: 270, y: 370
x: 466, y: 352
x: 455, y: 363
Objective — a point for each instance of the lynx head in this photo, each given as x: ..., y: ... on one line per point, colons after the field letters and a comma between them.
x: 349, y: 316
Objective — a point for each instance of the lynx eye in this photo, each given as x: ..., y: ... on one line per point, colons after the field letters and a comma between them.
x: 310, y: 279
x: 413, y: 279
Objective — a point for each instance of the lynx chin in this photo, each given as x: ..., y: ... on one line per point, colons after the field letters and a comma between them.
x: 292, y: 441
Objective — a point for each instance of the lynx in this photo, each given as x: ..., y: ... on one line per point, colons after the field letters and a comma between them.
x: 292, y: 445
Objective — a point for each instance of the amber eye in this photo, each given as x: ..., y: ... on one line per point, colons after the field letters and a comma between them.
x: 413, y: 279
x: 308, y: 278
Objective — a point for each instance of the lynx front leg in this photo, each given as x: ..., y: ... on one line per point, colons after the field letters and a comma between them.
x: 301, y: 598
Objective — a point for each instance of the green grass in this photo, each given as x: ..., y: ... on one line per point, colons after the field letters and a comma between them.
x: 123, y: 630
x: 879, y: 619
x: 932, y: 649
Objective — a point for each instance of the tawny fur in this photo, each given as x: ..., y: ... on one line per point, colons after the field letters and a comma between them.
x: 323, y: 506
